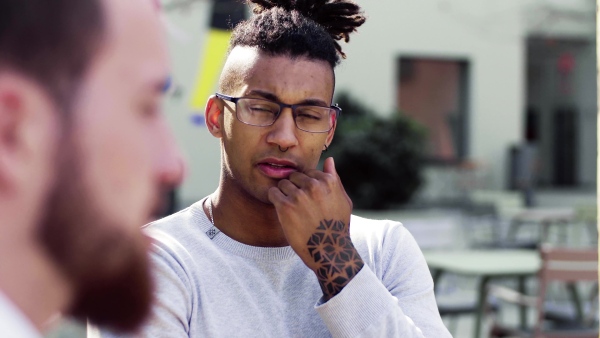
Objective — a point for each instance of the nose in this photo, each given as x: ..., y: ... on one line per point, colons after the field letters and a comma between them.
x: 283, y: 131
x: 172, y: 171
x: 171, y: 165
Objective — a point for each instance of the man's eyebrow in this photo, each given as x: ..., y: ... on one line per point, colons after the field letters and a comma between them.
x: 315, y: 102
x: 273, y: 97
x: 263, y: 94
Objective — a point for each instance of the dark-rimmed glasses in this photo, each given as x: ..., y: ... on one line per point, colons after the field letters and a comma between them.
x: 264, y: 113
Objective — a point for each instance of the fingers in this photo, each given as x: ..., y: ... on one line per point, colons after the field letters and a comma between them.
x: 329, y: 166
x: 287, y: 187
x: 314, y: 180
x: 301, y: 180
x: 276, y: 196
x: 328, y: 171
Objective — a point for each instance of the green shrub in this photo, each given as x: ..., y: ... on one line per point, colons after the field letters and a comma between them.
x: 378, y: 159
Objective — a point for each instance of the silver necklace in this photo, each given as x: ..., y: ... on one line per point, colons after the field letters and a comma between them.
x: 213, y: 231
x: 210, y: 213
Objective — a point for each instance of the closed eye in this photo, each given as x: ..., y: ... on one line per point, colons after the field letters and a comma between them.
x: 261, y: 109
x: 313, y: 113
x: 309, y: 116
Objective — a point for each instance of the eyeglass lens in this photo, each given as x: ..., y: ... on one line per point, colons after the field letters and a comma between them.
x: 259, y: 112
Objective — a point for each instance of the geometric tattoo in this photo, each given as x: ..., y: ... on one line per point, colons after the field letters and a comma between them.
x: 338, y: 261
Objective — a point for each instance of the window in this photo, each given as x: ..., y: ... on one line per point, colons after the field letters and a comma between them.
x: 434, y: 93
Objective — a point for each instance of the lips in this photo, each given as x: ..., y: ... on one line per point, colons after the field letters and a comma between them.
x: 277, y: 168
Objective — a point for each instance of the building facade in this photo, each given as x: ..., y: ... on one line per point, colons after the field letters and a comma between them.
x: 481, y: 75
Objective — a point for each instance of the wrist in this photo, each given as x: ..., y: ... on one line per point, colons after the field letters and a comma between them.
x: 336, y: 260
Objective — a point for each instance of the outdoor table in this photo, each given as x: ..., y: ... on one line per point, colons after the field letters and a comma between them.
x: 486, y: 264
x: 544, y: 218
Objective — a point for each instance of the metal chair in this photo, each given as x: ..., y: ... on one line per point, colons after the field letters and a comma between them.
x: 563, y: 265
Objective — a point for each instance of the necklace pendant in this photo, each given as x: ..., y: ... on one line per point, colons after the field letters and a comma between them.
x: 212, y: 232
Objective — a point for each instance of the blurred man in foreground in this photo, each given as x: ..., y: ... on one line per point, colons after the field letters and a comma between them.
x: 84, y: 154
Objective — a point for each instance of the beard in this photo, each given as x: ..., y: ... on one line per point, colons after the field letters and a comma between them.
x: 108, y: 268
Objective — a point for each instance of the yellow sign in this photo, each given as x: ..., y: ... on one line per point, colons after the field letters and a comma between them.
x: 211, y: 63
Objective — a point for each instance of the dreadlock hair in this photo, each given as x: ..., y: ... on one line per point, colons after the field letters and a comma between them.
x: 309, y: 28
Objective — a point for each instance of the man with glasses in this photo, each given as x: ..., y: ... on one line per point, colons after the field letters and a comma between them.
x: 274, y: 251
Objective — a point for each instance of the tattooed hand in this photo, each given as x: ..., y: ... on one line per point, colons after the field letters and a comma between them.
x: 314, y: 212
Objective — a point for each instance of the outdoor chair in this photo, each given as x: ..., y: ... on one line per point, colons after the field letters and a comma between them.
x: 559, y: 265
x: 452, y: 311
x: 483, y: 229
x: 587, y: 215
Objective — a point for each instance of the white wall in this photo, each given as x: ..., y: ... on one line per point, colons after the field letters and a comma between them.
x: 464, y: 29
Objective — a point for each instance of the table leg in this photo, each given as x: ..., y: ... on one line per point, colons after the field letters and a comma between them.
x: 522, y: 308
x: 572, y: 287
x: 512, y: 230
x: 481, y: 305
x: 565, y: 232
x: 544, y: 232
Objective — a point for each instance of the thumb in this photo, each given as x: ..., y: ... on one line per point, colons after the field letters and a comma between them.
x: 329, y: 166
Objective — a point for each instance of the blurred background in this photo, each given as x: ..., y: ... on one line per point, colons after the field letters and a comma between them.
x: 473, y: 122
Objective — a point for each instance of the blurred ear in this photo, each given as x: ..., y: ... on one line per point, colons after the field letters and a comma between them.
x: 213, y: 115
x: 27, y: 119
x: 12, y: 120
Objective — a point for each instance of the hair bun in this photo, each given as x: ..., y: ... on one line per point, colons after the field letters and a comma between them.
x: 338, y: 17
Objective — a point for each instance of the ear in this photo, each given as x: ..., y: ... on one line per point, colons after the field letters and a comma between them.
x: 330, y: 134
x: 27, y: 123
x: 11, y: 117
x: 213, y: 115
x: 12, y: 120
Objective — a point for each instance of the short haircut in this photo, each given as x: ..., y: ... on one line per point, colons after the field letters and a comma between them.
x: 298, y: 28
x: 51, y: 42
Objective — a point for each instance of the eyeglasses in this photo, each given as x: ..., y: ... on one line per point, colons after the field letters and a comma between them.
x: 264, y: 113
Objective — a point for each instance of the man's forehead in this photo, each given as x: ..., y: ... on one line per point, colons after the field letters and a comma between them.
x: 245, y: 63
x: 125, y: 18
x: 241, y: 60
x: 244, y: 58
x: 134, y: 31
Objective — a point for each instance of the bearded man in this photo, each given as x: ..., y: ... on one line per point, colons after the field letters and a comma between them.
x: 85, y: 154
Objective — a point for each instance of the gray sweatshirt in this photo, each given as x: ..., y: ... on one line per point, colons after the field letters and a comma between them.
x: 222, y: 288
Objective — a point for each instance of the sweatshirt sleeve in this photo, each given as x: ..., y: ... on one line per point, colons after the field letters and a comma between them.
x: 172, y: 303
x: 390, y: 297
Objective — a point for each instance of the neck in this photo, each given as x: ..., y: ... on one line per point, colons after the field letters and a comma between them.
x: 31, y: 280
x: 246, y: 219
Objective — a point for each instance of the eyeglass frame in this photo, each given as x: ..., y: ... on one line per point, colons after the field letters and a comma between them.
x: 282, y: 105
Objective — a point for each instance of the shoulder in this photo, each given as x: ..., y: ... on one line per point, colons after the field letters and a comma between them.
x: 380, y: 232
x: 174, y: 222
x: 179, y: 233
x: 385, y: 245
